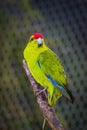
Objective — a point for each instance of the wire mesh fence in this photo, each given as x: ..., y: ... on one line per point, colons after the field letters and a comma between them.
x: 64, y: 26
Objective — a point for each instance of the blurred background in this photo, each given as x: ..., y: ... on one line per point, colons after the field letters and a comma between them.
x: 64, y: 26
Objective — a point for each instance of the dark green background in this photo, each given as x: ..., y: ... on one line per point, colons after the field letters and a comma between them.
x: 64, y: 25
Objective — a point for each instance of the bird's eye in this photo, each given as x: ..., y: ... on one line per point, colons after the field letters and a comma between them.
x: 31, y: 39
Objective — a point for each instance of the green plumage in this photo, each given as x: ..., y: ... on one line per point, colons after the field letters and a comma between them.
x: 46, y: 69
x: 50, y: 64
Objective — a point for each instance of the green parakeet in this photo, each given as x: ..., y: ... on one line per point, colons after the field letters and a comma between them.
x: 46, y: 69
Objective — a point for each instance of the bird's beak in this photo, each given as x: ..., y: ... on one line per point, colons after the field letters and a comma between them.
x: 39, y: 40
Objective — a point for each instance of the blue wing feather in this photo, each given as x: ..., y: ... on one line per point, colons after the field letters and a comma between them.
x: 66, y: 92
x: 55, y: 83
x: 38, y: 62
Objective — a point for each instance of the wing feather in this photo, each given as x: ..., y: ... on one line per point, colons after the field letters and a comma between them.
x: 50, y: 64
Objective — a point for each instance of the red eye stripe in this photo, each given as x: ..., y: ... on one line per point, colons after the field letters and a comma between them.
x: 37, y: 35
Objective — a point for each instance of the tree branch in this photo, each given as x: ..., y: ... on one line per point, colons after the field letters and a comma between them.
x: 48, y: 112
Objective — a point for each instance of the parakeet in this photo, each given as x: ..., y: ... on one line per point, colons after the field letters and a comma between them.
x: 46, y: 69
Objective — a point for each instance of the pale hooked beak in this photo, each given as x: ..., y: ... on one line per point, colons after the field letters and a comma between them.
x: 39, y: 40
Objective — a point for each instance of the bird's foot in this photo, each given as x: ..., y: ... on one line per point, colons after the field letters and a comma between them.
x: 42, y: 91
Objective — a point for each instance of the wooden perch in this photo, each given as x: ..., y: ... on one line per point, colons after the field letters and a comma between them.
x: 48, y: 112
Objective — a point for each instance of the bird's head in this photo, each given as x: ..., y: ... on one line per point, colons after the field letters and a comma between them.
x: 36, y: 40
x: 35, y: 46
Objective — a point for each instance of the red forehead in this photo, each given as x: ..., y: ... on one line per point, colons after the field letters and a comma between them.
x: 37, y: 35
